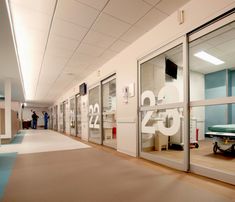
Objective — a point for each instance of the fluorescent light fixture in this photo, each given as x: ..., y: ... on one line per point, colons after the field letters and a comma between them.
x: 209, y: 58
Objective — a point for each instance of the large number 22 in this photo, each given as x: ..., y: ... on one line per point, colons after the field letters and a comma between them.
x: 94, y: 110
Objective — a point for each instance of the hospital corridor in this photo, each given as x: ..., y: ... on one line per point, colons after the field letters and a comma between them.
x: 117, y: 100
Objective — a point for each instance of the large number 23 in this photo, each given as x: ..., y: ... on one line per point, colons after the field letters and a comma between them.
x: 147, y: 129
x: 170, y: 113
x: 94, y: 110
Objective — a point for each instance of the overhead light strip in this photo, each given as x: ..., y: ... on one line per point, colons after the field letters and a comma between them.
x: 15, y: 45
x: 209, y: 58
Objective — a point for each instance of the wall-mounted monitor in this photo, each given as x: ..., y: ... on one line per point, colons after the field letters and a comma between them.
x: 83, y: 89
x: 171, y: 69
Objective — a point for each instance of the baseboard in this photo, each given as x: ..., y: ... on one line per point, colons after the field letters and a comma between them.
x: 127, y: 152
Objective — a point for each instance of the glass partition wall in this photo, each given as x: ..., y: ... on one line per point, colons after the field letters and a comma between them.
x: 78, y: 116
x: 94, y: 115
x: 50, y: 113
x: 55, y: 118
x: 72, y: 116
x: 109, y: 112
x: 187, y: 102
x: 61, y: 120
x: 162, y: 136
x: 212, y: 96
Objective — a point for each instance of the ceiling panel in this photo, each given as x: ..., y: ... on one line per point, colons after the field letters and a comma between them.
x: 61, y: 83
x: 129, y: 11
x: 54, y: 63
x: 99, y: 39
x: 59, y: 52
x: 68, y: 30
x: 76, y: 12
x: 97, y: 4
x: 111, y: 26
x: 152, y: 18
x: 132, y: 34
x: 62, y: 42
x: 169, y: 6
x: 221, y: 37
x: 119, y: 45
x: 48, y: 78
x: 77, y: 69
x: 152, y: 2
x: 107, y: 55
x: 227, y: 47
x: 80, y: 58
x: 79, y: 63
x: 90, y: 50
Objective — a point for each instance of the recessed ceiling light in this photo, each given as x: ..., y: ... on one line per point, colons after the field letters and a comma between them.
x: 209, y: 58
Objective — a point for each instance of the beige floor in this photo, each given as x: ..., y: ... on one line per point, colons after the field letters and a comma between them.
x: 98, y: 175
x: 203, y: 156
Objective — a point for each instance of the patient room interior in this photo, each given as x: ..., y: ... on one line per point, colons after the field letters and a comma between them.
x: 211, y: 125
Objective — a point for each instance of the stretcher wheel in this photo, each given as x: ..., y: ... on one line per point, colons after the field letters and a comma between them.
x: 196, y: 145
x: 215, y: 148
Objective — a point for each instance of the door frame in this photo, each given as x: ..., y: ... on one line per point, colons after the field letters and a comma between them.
x: 184, y: 165
x: 88, y: 114
x: 76, y: 113
x: 102, y: 82
x: 200, y: 169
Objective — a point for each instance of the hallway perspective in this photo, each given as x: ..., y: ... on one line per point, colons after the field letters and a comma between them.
x: 57, y: 168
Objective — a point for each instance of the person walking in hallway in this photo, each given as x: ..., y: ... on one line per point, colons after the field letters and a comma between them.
x: 46, y: 117
x: 35, y: 119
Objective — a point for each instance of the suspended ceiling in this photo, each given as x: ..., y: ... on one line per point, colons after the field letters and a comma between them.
x: 61, y: 42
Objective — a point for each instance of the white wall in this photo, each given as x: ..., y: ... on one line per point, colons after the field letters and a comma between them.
x: 197, y: 12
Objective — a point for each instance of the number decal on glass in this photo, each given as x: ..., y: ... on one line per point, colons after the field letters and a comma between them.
x: 168, y: 94
x: 97, y: 111
x: 91, y: 112
x: 94, y: 111
x: 147, y: 95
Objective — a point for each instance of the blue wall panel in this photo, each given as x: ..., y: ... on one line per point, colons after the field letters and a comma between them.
x: 215, y: 87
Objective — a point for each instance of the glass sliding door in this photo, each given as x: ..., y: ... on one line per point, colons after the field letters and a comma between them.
x: 55, y: 118
x: 65, y: 117
x: 72, y: 117
x: 109, y: 112
x: 50, y: 113
x: 94, y: 121
x: 162, y: 115
x: 212, y: 96
x: 78, y: 116
x: 61, y: 119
